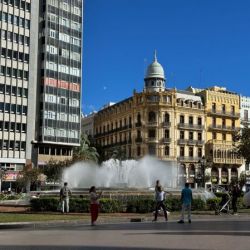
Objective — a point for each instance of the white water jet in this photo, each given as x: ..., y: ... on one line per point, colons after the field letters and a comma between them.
x: 120, y: 174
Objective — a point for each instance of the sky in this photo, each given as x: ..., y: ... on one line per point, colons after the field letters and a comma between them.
x: 199, y: 43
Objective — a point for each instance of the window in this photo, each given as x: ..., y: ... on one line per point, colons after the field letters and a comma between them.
x: 166, y: 151
x: 199, y: 121
x: 214, y: 107
x: 52, y: 33
x: 166, y: 133
x: 191, y: 136
x: 232, y: 110
x: 214, y: 136
x: 182, y: 135
x: 246, y: 115
x: 3, y: 34
x: 224, y: 137
x: 76, y: 11
x: 199, y: 152
x: 191, y: 120
x: 223, y: 108
x: 182, y: 151
x: 190, y: 151
x: 199, y: 136
x: 182, y: 119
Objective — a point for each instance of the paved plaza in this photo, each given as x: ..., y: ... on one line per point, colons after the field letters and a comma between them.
x: 216, y: 232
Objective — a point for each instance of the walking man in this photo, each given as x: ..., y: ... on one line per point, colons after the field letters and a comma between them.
x: 64, y: 197
x: 186, y: 200
x: 159, y: 199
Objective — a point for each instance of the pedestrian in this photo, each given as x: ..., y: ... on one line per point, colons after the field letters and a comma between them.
x: 186, y: 200
x: 159, y: 199
x: 64, y: 197
x: 157, y: 184
x: 235, y: 194
x: 94, y: 204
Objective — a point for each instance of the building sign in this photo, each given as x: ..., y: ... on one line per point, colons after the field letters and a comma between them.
x: 10, y: 176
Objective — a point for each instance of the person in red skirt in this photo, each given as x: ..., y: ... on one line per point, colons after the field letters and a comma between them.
x: 94, y: 204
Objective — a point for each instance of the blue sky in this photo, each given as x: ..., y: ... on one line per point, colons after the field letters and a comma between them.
x: 199, y: 42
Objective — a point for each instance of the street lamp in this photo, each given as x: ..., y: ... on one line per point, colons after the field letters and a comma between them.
x: 202, y: 163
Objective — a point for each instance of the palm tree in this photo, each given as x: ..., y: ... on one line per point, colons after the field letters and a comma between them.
x: 85, y: 152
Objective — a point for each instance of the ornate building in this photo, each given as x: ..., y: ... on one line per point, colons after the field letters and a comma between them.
x: 161, y: 122
x: 222, y: 109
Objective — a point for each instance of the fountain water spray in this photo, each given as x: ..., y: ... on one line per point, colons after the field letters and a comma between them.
x: 119, y: 174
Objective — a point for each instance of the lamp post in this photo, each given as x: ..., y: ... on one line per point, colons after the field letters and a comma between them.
x: 203, y: 162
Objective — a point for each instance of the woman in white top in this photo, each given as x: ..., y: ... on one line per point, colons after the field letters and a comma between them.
x: 94, y: 204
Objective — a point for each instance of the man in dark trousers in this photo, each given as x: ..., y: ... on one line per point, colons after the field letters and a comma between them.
x: 186, y: 200
x: 235, y: 194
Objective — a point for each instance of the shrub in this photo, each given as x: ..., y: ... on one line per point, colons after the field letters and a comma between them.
x: 134, y: 204
x: 213, y: 203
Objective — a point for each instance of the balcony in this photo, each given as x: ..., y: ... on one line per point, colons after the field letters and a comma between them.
x: 222, y: 113
x: 166, y: 124
x: 152, y: 124
x: 182, y: 141
x: 188, y: 159
x: 152, y: 140
x: 223, y: 128
x: 191, y: 142
x: 166, y: 140
x: 190, y: 126
x: 225, y: 160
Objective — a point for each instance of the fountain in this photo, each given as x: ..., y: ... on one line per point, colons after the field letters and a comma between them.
x: 122, y: 174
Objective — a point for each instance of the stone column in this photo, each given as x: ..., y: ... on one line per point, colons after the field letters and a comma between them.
x: 229, y: 175
x: 219, y: 175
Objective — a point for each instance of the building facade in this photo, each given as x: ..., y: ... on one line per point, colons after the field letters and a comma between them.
x: 58, y: 90
x: 15, y: 21
x: 40, y: 81
x: 161, y: 122
x: 222, y: 109
x: 245, y: 122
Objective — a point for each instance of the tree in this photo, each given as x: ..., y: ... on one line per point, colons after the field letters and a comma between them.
x: 54, y: 169
x: 243, y: 143
x: 28, y: 177
x: 85, y: 152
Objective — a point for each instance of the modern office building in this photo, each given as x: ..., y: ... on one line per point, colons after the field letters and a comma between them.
x: 40, y: 80
x: 15, y: 22
x: 57, y: 93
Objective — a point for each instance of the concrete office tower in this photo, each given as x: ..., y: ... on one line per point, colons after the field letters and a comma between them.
x: 40, y: 81
x: 14, y: 84
x: 57, y: 72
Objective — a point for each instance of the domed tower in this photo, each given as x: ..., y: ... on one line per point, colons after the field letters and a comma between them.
x: 154, y: 78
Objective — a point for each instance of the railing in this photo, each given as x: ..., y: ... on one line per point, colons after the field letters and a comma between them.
x: 223, y: 127
x: 154, y: 124
x: 166, y: 140
x: 166, y: 124
x: 224, y: 113
x: 190, y: 126
x: 188, y: 158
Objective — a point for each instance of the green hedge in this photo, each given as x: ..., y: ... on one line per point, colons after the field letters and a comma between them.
x: 134, y: 205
